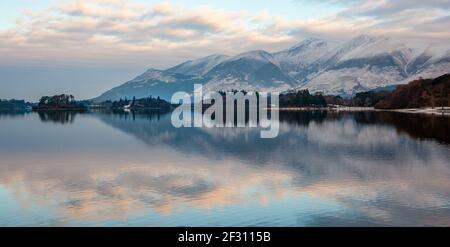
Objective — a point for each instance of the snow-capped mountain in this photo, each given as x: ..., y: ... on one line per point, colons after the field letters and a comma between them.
x: 296, y: 60
x: 364, y: 46
x: 198, y: 67
x: 255, y: 70
x: 430, y: 63
x: 360, y: 64
x: 153, y: 82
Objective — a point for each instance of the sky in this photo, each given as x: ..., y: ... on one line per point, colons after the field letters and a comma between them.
x: 87, y: 47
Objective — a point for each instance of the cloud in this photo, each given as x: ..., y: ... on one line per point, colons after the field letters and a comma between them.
x: 410, y: 20
x: 391, y: 8
x: 113, y: 29
x: 117, y: 31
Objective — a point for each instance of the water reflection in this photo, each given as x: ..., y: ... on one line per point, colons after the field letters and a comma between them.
x: 433, y: 127
x: 325, y: 168
x: 59, y: 117
x: 147, y: 113
x: 421, y: 126
x: 13, y: 114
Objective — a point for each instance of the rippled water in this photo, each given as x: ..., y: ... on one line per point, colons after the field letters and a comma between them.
x: 324, y: 169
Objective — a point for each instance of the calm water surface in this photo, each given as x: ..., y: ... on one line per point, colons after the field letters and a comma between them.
x: 324, y: 169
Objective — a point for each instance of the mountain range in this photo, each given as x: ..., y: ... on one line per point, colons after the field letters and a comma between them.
x: 360, y: 64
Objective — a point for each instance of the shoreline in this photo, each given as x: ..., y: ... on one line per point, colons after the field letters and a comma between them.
x: 58, y: 109
x: 445, y: 111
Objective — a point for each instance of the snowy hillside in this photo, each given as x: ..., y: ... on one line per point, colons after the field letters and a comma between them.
x: 299, y: 57
x: 198, y: 67
x: 250, y: 71
x: 360, y: 64
x: 152, y: 82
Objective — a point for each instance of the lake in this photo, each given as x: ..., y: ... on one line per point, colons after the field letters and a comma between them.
x: 324, y: 169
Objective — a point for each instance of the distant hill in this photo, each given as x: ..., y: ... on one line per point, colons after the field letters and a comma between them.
x: 14, y: 105
x: 361, y: 64
x: 419, y: 93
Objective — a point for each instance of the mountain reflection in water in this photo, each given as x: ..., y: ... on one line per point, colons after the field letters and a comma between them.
x: 324, y: 168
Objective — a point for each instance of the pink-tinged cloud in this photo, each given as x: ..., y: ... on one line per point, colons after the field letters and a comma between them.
x: 115, y: 30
